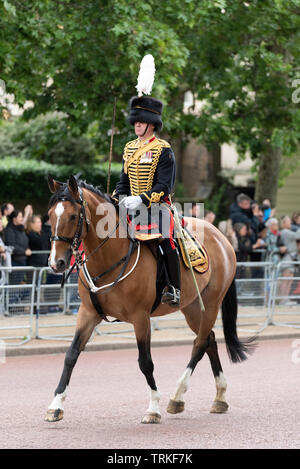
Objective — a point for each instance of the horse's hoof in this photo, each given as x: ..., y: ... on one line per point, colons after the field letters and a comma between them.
x: 151, y: 418
x: 219, y: 407
x: 54, y: 415
x: 175, y: 407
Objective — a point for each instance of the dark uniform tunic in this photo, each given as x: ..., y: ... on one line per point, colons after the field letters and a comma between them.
x: 149, y: 170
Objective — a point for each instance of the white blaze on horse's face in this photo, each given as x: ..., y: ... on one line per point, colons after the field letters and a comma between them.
x: 59, y: 210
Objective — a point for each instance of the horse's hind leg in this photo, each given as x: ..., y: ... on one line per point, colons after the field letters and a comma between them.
x: 204, y: 342
x: 85, y: 326
x: 219, y: 405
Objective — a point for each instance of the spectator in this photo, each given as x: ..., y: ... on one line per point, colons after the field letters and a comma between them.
x: 195, y: 210
x: 209, y: 216
x: 50, y: 295
x: 268, y: 211
x: 226, y: 228
x: 6, y: 209
x: 5, y: 251
x: 258, y: 212
x: 289, y: 239
x: 274, y: 244
x: 245, y: 246
x: 297, y: 289
x: 37, y: 242
x: 15, y: 236
x: 46, y: 228
x: 295, y: 221
x: 28, y: 212
x: 288, y: 236
x: 241, y: 212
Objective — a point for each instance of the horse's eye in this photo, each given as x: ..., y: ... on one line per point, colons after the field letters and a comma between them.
x: 73, y: 217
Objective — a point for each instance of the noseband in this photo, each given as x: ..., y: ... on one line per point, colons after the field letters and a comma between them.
x: 75, y: 241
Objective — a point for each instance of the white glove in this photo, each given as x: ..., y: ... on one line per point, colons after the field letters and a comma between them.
x: 132, y: 202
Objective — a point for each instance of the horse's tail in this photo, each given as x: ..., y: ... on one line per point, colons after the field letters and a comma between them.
x: 237, y: 349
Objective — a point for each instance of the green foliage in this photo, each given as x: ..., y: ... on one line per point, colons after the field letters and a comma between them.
x: 219, y: 202
x: 239, y: 59
x: 45, y: 138
x: 27, y: 179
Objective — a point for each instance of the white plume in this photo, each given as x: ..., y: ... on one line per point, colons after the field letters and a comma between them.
x: 146, y: 75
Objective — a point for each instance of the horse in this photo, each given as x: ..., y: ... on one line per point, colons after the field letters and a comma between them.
x: 125, y: 289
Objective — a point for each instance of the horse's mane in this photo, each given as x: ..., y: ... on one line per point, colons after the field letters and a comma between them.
x: 64, y: 192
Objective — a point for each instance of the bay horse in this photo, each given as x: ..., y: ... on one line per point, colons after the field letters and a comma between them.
x: 75, y: 210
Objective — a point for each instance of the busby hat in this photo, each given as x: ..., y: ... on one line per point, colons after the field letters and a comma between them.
x: 145, y: 108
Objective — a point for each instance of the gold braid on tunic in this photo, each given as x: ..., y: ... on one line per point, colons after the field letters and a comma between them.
x: 141, y: 174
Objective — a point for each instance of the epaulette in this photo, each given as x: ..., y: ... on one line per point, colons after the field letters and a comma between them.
x: 163, y: 143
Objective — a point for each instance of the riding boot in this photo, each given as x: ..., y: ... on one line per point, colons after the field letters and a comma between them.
x: 171, y: 293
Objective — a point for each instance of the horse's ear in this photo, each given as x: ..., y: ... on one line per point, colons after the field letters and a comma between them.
x: 54, y: 186
x: 73, y: 186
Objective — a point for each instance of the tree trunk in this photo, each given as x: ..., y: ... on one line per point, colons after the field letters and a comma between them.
x: 268, y: 175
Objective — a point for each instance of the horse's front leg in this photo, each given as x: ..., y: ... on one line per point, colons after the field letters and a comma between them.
x: 86, y: 322
x: 143, y: 336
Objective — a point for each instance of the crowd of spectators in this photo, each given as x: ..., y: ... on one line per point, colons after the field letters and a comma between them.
x: 257, y: 235
x: 23, y: 235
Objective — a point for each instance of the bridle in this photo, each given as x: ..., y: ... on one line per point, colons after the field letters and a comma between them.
x: 80, y: 262
x: 75, y: 241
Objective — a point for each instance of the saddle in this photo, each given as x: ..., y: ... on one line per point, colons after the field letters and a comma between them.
x: 197, y: 253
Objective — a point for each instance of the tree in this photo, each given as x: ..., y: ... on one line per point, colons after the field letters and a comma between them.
x: 243, y: 68
x: 238, y: 58
x: 76, y: 57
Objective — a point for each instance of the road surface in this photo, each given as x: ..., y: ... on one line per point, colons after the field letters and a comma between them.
x: 108, y: 396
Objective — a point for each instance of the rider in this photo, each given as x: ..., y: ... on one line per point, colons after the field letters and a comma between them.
x: 147, y: 179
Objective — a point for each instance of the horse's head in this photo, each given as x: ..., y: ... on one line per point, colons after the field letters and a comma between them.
x: 69, y: 221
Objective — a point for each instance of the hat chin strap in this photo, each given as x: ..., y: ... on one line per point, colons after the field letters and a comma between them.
x: 146, y: 130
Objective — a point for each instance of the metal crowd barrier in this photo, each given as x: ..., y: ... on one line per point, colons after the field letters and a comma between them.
x: 266, y: 296
x: 17, y: 296
x: 254, y: 284
x: 285, y: 297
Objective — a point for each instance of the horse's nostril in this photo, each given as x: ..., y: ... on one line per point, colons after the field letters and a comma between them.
x: 60, y: 264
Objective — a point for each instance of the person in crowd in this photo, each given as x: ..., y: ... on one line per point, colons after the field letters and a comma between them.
x: 225, y: 226
x: 241, y: 212
x: 275, y: 247
x: 50, y: 295
x: 257, y: 212
x: 209, y: 216
x: 296, y: 291
x: 37, y: 242
x: 5, y: 251
x: 268, y: 211
x: 15, y: 236
x: 289, y: 239
x: 28, y: 213
x: 245, y: 246
x: 295, y: 221
x: 6, y: 209
x: 46, y: 228
x: 195, y: 210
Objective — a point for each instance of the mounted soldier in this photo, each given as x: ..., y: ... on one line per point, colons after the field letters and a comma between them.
x: 147, y: 180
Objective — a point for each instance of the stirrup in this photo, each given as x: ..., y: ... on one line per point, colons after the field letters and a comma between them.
x: 171, y: 296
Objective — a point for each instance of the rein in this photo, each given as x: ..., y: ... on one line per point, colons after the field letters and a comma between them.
x: 81, y: 263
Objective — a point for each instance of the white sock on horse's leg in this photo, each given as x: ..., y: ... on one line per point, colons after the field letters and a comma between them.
x: 57, y: 402
x: 182, y: 385
x: 154, y: 402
